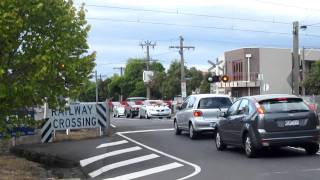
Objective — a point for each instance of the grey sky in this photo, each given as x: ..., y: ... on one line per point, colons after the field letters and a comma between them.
x: 212, y: 26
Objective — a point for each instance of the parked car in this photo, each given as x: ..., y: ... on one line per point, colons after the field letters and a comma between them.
x: 262, y: 121
x: 198, y: 113
x: 154, y: 108
x: 133, y: 105
x: 119, y: 110
x: 311, y: 101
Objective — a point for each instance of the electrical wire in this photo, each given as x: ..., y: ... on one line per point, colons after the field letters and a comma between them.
x: 197, y: 26
x: 189, y: 14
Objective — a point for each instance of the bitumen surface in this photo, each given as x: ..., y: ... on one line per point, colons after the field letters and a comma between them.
x: 149, y: 149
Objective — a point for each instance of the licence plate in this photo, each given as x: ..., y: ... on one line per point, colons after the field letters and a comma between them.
x: 291, y: 123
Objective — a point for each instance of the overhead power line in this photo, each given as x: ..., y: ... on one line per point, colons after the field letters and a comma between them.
x: 197, y: 26
x: 189, y: 14
x: 287, y: 5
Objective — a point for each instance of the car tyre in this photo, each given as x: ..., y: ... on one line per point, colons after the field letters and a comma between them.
x: 127, y: 115
x: 147, y: 116
x: 249, y: 148
x: 177, y: 131
x: 139, y: 115
x: 312, y: 149
x: 220, y: 145
x: 192, y: 132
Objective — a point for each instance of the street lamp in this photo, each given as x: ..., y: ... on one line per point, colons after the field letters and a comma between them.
x: 248, y: 56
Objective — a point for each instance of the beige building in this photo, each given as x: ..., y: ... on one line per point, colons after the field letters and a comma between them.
x: 263, y: 70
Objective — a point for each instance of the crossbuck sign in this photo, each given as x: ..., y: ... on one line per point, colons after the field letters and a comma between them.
x: 75, y: 116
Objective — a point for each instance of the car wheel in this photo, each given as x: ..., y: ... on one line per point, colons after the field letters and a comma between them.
x: 176, y: 128
x: 192, y: 132
x: 312, y: 149
x: 131, y: 115
x: 127, y: 114
x: 147, y: 116
x: 139, y: 115
x: 220, y: 145
x: 249, y: 147
x: 114, y: 114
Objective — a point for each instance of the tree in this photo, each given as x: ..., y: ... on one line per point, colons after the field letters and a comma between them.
x: 43, y: 54
x: 195, y: 79
x: 173, y: 87
x: 205, y: 85
x: 312, y: 81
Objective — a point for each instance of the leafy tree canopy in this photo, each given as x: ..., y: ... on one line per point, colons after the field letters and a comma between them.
x: 312, y: 82
x: 43, y: 48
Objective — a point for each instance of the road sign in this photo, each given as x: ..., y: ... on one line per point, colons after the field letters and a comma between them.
x: 183, y: 90
x: 213, y: 65
x: 75, y: 116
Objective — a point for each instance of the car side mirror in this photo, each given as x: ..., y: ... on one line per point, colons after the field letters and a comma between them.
x: 223, y: 114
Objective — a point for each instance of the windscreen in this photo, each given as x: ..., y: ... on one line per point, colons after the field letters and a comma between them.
x: 283, y: 105
x: 214, y: 103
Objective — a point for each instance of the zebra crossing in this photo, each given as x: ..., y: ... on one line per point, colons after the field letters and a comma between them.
x: 123, y: 160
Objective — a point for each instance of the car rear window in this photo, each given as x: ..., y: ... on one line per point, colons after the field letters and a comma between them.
x: 214, y: 103
x: 284, y: 105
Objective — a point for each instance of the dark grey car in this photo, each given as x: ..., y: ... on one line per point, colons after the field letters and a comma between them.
x: 262, y: 121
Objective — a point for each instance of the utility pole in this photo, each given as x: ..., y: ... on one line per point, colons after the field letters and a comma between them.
x: 295, y: 59
x: 121, y: 70
x: 97, y: 96
x: 121, y: 74
x: 183, y: 78
x: 147, y: 44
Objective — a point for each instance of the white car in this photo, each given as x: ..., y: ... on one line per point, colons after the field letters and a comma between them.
x: 119, y: 110
x: 154, y: 108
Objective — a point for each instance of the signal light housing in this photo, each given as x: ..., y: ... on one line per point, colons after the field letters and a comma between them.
x: 225, y: 78
x: 216, y: 78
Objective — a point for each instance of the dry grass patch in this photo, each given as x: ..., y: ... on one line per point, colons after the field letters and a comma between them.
x: 15, y: 168
x: 77, y: 134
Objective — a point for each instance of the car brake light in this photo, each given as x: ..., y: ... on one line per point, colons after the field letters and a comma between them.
x: 312, y: 107
x: 197, y: 113
x: 281, y: 99
x: 260, y: 110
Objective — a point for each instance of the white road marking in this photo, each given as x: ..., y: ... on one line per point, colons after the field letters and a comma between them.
x: 90, y: 160
x: 301, y: 149
x: 297, y: 148
x: 122, y: 163
x: 197, y: 168
x: 147, y: 172
x: 112, y: 125
x: 112, y: 144
x: 142, y: 131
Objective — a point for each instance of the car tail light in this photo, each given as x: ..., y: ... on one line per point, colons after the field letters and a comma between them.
x: 197, y: 113
x: 260, y: 110
x: 312, y: 107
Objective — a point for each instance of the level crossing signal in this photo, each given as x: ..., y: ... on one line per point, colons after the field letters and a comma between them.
x: 218, y: 78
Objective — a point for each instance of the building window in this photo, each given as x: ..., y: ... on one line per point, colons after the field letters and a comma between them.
x: 237, y: 68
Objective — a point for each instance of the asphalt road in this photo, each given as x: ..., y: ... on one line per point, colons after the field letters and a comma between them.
x: 148, y: 149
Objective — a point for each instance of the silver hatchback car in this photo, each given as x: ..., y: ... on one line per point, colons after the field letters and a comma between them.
x: 199, y: 113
